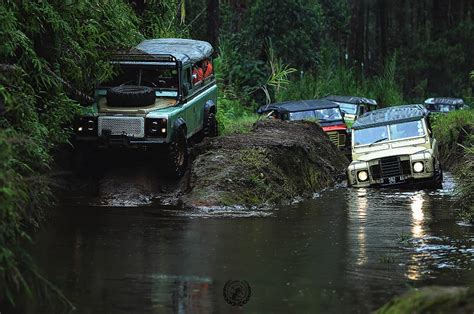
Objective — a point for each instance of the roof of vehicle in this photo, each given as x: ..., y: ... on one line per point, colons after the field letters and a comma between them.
x: 298, y: 105
x: 184, y: 50
x: 390, y: 115
x: 352, y: 100
x: 444, y: 101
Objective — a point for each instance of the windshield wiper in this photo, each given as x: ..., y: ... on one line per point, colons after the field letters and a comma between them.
x: 378, y: 141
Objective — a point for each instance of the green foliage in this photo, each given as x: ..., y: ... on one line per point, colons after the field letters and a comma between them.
x: 332, y: 78
x: 44, y: 44
x: 466, y: 187
x: 233, y: 118
x: 294, y: 27
x: 456, y: 145
x: 452, y: 130
x: 431, y: 299
x: 161, y: 19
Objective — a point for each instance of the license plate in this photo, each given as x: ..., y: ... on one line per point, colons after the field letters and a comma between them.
x: 392, y: 180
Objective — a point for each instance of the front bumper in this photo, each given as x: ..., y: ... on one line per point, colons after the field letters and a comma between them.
x: 401, y: 172
x: 105, y: 141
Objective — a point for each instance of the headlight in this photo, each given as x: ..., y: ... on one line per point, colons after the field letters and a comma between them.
x: 362, y: 175
x: 86, y: 126
x: 418, y: 166
x: 156, y: 127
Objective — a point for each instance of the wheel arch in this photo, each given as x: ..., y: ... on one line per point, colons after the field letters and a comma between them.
x: 209, y: 107
x: 180, y: 123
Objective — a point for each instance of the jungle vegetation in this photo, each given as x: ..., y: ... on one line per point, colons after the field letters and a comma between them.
x: 53, y: 53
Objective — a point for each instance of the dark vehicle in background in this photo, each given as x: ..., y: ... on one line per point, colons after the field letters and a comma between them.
x: 394, y: 146
x: 326, y: 113
x: 353, y: 106
x: 444, y: 105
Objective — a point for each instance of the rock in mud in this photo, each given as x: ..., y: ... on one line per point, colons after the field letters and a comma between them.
x: 273, y: 163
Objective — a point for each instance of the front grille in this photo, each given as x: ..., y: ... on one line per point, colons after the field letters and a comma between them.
x: 334, y: 137
x: 390, y: 167
x: 128, y: 126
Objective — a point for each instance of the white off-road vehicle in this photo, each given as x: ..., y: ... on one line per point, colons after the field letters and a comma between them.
x: 394, y: 146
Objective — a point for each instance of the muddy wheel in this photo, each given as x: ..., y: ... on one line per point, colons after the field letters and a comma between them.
x: 210, y: 125
x: 438, y: 183
x: 177, y: 155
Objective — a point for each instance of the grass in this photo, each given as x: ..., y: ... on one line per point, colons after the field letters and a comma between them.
x: 403, y: 237
x: 431, y: 300
x: 454, y: 133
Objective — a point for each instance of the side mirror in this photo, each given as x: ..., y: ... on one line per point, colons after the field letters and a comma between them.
x: 343, y: 114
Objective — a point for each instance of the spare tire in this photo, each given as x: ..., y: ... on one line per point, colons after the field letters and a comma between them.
x: 130, y: 96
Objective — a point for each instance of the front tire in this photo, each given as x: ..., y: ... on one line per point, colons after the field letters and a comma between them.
x: 177, y: 155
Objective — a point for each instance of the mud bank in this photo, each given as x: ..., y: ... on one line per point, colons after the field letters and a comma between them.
x: 274, y: 163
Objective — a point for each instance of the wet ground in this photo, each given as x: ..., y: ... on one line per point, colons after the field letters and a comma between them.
x: 347, y: 250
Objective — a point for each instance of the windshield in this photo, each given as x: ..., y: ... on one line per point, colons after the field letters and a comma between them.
x: 388, y: 132
x: 151, y: 76
x: 441, y: 107
x: 370, y: 135
x: 329, y: 114
x: 348, y: 108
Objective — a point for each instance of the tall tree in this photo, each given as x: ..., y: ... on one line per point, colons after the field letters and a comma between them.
x: 213, y: 21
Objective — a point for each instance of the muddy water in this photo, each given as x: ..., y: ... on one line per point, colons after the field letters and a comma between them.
x: 348, y: 250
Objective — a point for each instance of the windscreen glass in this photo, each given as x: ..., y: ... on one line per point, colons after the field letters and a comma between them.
x: 151, y: 76
x: 406, y: 129
x: 329, y: 114
x: 391, y: 132
x: 371, y: 135
x: 348, y: 108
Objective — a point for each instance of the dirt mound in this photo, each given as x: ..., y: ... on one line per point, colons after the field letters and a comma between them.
x: 276, y: 162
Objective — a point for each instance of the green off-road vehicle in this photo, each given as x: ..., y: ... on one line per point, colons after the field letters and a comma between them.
x: 394, y: 146
x: 163, y: 94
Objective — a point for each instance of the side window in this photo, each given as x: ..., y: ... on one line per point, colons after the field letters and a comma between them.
x: 187, y: 78
x: 197, y: 74
x: 207, y: 68
x: 361, y: 110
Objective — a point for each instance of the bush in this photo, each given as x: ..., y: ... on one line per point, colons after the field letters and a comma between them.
x: 48, y: 51
x: 453, y: 130
x: 454, y: 133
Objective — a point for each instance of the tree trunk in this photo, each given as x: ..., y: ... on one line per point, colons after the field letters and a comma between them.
x: 213, y: 22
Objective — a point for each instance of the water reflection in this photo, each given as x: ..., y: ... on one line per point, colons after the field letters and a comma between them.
x: 418, y: 217
x: 361, y: 203
x: 189, y: 294
x: 417, y: 231
x: 349, y: 250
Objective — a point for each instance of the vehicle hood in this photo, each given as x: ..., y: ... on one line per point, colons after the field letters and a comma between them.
x: 410, y: 150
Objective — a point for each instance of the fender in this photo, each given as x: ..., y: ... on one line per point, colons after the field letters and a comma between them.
x: 179, y: 123
x: 209, y: 107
